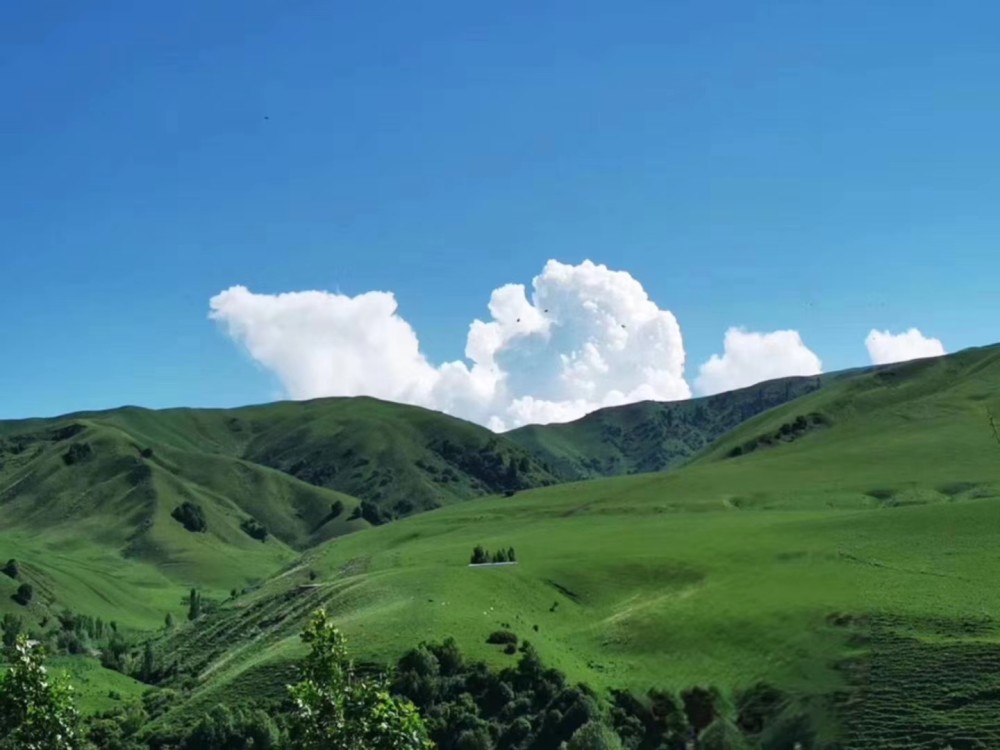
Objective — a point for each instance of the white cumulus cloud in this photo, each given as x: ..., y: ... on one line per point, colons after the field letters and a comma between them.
x: 885, y: 347
x: 750, y: 358
x: 585, y: 337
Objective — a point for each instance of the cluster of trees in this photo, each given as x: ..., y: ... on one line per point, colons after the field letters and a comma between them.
x: 77, y: 453
x: 488, y: 465
x: 785, y: 433
x: 190, y: 515
x: 25, y: 592
x: 78, y: 634
x: 254, y: 528
x: 481, y: 556
x: 67, y: 633
x: 468, y: 706
x: 74, y: 634
x: 372, y: 513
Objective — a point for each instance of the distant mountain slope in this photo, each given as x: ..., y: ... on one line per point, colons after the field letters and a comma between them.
x: 924, y: 415
x: 652, y: 435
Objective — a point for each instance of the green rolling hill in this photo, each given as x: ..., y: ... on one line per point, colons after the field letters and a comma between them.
x: 89, y: 502
x: 400, y: 458
x: 847, y: 558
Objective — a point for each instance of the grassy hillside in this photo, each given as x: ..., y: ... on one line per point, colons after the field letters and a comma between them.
x: 401, y: 458
x: 849, y: 561
x: 653, y: 436
x: 88, y: 512
x: 89, y: 502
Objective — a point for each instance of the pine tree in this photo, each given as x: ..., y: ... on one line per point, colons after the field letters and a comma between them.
x: 194, y: 605
x: 148, y: 663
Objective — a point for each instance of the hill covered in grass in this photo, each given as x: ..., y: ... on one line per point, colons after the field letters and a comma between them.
x: 652, y: 435
x: 94, y: 514
x: 840, y: 561
x: 400, y: 458
x: 94, y: 503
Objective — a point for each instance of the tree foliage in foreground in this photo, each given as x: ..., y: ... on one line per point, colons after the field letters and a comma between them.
x: 594, y: 736
x: 336, y: 708
x: 36, y: 711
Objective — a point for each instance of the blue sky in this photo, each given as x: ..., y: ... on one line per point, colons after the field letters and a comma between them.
x: 828, y: 167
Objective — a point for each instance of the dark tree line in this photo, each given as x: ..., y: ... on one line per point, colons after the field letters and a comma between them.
x: 787, y: 432
x: 481, y: 556
x: 488, y: 465
x: 469, y: 706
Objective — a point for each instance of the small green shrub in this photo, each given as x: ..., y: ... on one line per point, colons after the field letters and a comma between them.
x: 77, y: 453
x: 500, y: 637
x: 254, y: 528
x: 24, y: 594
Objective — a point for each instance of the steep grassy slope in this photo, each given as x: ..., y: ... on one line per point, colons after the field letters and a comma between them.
x: 88, y: 513
x: 653, y: 436
x: 842, y: 560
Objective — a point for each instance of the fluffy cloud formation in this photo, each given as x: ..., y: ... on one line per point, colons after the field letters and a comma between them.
x: 885, y: 347
x: 750, y: 358
x: 587, y: 337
